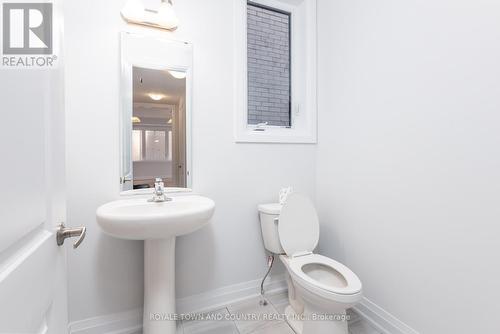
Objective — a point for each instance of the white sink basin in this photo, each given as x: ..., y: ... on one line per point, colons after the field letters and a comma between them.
x: 158, y: 223
x: 138, y: 219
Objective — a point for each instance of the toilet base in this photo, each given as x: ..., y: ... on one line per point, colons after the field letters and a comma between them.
x: 313, y: 326
x: 322, y: 326
x: 293, y: 319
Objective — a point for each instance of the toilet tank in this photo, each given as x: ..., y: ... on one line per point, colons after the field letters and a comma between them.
x: 268, y: 214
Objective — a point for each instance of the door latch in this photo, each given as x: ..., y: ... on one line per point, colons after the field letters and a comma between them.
x: 63, y: 233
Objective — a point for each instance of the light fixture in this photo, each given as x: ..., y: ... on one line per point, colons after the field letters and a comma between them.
x: 164, y: 17
x: 133, y: 11
x: 169, y: 121
x: 156, y: 97
x: 177, y: 74
x: 136, y: 119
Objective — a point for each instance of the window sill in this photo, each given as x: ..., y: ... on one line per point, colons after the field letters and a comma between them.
x: 281, y: 136
x: 146, y: 161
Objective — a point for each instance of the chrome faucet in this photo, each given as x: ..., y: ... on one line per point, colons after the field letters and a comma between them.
x: 159, y: 192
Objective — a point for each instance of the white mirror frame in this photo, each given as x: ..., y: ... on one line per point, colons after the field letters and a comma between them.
x: 154, y: 53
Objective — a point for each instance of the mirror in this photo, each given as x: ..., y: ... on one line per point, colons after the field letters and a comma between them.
x: 155, y: 112
x: 158, y: 127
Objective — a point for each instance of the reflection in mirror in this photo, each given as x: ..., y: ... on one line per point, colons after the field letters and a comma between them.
x: 158, y: 127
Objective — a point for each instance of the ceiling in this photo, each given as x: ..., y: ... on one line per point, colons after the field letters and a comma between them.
x: 151, y: 111
x: 157, y: 82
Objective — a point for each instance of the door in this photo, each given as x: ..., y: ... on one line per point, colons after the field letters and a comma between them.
x: 32, y: 266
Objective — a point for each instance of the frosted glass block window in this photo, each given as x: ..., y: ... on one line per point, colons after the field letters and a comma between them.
x: 136, y: 145
x: 169, y: 157
x: 155, y: 145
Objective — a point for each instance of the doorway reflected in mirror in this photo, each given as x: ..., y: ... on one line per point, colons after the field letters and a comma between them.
x: 158, y: 127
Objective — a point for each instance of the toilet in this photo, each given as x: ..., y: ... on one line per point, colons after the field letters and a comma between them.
x: 320, y: 289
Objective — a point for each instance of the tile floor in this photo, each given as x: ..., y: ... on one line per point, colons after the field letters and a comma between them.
x: 276, y: 306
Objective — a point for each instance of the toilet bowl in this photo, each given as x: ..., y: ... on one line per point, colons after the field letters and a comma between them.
x: 320, y: 289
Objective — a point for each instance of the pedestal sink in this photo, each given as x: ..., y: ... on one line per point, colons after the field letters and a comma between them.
x: 157, y: 223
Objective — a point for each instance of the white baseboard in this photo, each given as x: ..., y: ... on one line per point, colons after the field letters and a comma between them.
x: 381, y: 319
x: 230, y: 294
x: 130, y: 322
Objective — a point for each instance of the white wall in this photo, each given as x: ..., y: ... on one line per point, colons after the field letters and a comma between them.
x: 105, y: 274
x: 408, y: 158
x: 145, y: 169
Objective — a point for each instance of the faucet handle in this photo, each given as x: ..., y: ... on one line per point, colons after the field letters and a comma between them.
x: 159, y: 192
x: 159, y: 184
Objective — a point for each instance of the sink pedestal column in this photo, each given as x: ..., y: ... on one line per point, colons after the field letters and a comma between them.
x: 159, y: 286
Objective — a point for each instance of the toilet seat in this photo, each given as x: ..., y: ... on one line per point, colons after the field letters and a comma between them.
x: 329, y: 275
x: 298, y: 225
x: 298, y: 229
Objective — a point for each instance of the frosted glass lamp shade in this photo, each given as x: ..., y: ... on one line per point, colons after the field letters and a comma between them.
x: 167, y: 17
x: 133, y: 10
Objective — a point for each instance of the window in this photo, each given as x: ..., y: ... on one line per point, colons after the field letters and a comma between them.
x: 275, y: 71
x: 155, y: 145
x: 169, y: 156
x: 136, y: 145
x: 268, y: 66
x: 151, y: 145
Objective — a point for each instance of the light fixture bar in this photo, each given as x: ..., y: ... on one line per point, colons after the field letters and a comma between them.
x: 163, y: 18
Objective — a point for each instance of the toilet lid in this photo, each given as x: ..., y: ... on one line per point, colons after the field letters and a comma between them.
x: 298, y: 225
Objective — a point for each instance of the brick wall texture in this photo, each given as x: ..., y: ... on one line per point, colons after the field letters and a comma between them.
x: 268, y: 38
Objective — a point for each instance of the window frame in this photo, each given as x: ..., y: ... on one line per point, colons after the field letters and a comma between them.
x: 302, y: 75
x: 254, y: 127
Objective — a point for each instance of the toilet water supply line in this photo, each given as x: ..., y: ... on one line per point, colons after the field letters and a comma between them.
x: 283, y: 194
x: 270, y: 261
